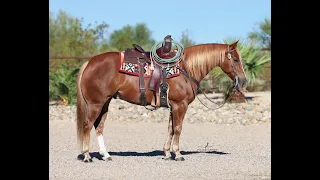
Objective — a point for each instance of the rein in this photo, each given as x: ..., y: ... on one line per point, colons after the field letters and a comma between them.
x: 225, y: 101
x: 198, y: 88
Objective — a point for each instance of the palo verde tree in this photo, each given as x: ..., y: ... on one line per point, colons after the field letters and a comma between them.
x: 123, y: 38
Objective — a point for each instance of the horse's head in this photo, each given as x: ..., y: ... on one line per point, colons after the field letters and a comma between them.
x: 232, y: 65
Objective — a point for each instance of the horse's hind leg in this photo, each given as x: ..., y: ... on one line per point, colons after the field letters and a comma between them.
x: 93, y: 111
x: 99, y: 125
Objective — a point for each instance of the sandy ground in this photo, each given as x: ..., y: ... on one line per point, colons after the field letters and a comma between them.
x: 233, y: 152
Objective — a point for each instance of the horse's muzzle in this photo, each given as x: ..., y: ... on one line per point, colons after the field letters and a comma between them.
x: 240, y: 84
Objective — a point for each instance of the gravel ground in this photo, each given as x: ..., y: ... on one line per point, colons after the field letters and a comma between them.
x: 256, y: 110
x: 235, y: 150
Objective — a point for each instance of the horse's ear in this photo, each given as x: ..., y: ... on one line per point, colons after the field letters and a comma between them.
x: 233, y: 45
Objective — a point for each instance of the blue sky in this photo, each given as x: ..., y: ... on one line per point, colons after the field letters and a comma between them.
x: 207, y: 21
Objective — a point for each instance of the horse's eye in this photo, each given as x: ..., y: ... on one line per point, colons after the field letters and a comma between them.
x: 236, y: 60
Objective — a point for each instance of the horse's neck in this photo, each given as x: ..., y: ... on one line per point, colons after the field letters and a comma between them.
x: 206, y: 72
x: 200, y: 70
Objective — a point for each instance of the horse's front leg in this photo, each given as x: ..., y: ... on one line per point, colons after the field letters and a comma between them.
x: 179, y: 113
x: 167, y: 145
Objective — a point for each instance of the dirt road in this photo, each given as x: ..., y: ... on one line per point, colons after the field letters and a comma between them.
x: 237, y: 152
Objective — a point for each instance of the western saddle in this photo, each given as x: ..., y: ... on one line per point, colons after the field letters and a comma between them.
x: 139, y: 56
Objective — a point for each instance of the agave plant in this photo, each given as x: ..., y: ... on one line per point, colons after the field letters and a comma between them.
x: 254, y: 61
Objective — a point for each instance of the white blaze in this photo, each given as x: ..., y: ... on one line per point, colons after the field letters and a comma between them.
x: 242, y: 65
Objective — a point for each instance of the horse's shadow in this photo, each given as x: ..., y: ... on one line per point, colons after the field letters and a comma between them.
x: 149, y: 154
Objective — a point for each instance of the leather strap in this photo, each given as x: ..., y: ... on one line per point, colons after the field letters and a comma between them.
x: 154, y: 79
x: 143, y: 100
x: 191, y: 78
x: 164, y: 89
x: 164, y: 75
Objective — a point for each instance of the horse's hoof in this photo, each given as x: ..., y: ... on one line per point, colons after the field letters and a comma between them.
x: 180, y: 159
x: 107, y: 158
x: 87, y: 160
x: 84, y: 158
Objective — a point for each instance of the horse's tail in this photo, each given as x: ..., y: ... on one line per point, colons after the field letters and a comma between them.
x: 81, y: 107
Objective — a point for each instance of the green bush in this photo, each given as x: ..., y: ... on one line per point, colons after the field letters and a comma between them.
x: 62, y: 84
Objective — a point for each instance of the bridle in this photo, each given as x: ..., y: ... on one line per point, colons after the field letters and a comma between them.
x: 234, y: 68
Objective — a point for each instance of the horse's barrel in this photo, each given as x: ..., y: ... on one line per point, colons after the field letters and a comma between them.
x: 167, y: 44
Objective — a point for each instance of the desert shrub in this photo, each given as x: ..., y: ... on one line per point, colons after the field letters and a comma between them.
x: 62, y: 84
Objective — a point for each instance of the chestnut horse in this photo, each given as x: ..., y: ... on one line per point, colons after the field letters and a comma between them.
x: 99, y: 81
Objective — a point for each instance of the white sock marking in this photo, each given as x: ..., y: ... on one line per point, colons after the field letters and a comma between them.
x: 101, y: 143
x: 103, y: 149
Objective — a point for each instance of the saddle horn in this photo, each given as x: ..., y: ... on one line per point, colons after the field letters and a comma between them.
x: 167, y: 44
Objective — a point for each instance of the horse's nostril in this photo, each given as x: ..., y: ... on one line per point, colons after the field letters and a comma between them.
x: 243, y: 82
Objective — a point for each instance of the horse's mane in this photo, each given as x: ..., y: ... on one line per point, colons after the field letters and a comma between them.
x: 202, y: 58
